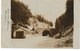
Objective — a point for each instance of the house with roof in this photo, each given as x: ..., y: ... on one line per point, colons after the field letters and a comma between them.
x: 21, y: 32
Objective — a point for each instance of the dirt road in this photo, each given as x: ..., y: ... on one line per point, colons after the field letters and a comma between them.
x: 36, y: 41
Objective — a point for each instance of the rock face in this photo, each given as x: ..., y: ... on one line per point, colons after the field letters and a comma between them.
x: 56, y: 42
x: 66, y: 19
x: 67, y: 40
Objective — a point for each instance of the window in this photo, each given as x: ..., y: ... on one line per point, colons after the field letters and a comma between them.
x: 20, y: 34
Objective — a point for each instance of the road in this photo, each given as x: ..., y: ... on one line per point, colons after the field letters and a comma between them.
x: 36, y: 41
x: 31, y: 41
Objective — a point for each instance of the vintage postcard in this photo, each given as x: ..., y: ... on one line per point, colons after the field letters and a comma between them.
x: 38, y: 24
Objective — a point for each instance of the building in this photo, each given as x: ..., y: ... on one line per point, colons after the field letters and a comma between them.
x: 21, y: 32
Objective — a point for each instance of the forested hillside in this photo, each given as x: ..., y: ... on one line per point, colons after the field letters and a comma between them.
x: 20, y: 13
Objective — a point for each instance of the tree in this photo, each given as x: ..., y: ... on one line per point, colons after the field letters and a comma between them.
x: 19, y: 12
x: 42, y: 19
x: 66, y: 19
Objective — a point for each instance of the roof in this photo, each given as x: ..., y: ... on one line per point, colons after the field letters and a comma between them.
x: 20, y: 27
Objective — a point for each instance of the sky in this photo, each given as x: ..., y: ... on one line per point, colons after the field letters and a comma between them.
x: 50, y: 9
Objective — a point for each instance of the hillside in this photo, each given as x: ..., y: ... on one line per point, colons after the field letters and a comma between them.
x: 38, y: 41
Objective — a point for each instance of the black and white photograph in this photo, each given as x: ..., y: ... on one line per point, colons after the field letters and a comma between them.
x: 39, y: 24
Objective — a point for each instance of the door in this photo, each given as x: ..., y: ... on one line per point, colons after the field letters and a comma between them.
x: 20, y: 34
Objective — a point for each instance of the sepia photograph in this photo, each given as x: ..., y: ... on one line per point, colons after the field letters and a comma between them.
x: 40, y: 24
